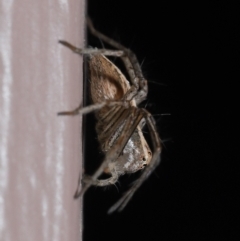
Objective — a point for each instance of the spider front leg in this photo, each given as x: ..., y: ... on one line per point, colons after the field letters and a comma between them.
x: 90, y: 51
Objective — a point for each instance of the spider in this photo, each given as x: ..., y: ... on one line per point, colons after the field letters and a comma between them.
x: 119, y: 120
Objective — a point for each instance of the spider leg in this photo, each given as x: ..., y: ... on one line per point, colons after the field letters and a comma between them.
x: 116, y: 123
x: 89, y: 51
x: 129, y: 127
x: 92, y: 108
x: 103, y: 182
x: 148, y: 170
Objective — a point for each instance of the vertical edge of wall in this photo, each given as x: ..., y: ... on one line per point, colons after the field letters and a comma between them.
x: 40, y: 152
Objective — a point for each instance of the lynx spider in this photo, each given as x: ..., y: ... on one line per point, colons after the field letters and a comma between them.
x: 119, y: 119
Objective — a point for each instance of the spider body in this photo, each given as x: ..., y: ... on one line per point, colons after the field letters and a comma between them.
x: 119, y: 120
x: 108, y: 83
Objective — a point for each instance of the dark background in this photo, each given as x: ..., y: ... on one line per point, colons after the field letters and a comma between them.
x: 190, y: 55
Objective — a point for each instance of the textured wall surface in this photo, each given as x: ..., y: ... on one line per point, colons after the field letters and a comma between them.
x: 40, y: 152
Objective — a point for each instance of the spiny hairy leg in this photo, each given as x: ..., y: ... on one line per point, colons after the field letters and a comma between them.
x: 101, y: 182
